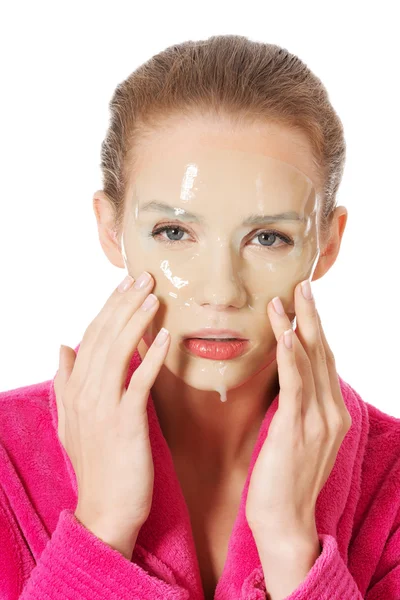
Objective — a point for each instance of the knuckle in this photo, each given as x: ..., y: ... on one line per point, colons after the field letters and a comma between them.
x: 346, y: 421
x: 330, y: 358
x: 312, y: 313
x: 307, y: 368
x: 132, y: 299
x: 296, y: 385
x: 319, y: 431
x: 139, y: 383
x: 336, y: 423
x: 106, y: 331
x: 91, y: 331
x: 145, y: 373
x: 318, y: 351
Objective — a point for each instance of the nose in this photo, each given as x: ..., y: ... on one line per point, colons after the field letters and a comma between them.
x: 219, y: 285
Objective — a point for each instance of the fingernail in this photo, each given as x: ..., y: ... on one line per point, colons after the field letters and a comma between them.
x: 306, y: 289
x: 149, y: 302
x: 278, y: 305
x: 161, y: 337
x: 142, y: 281
x: 287, y: 338
x: 125, y: 284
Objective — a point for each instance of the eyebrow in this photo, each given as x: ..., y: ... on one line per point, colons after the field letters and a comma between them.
x: 254, y: 219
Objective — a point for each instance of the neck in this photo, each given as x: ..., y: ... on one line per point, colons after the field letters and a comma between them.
x: 207, y: 432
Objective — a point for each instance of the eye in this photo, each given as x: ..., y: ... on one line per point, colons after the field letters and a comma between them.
x: 171, y: 230
x: 268, y: 238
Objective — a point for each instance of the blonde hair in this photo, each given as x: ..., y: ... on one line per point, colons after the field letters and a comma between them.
x: 229, y: 75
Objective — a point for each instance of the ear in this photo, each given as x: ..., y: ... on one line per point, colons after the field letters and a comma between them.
x: 105, y: 218
x: 331, y: 247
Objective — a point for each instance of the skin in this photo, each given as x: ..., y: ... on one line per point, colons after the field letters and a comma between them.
x: 217, y: 442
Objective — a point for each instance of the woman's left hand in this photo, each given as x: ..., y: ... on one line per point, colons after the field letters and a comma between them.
x: 305, y: 433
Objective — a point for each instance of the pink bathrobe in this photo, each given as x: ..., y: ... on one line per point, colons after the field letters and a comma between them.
x: 46, y: 554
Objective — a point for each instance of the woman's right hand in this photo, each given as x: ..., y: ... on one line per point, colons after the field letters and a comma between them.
x: 103, y: 427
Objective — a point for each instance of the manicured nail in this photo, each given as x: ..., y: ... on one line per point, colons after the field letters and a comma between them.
x: 61, y: 352
x: 287, y: 338
x: 125, y: 284
x: 162, y: 337
x: 306, y: 289
x: 149, y: 302
x: 142, y: 280
x: 278, y: 305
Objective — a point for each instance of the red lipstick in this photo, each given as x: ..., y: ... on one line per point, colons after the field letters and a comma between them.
x: 216, y: 349
x: 216, y: 344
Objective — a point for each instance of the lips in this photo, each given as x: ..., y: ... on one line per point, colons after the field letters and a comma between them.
x: 214, y: 339
x: 215, y: 334
x: 216, y: 349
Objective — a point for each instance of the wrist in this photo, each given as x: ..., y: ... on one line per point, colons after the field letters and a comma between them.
x: 281, y: 544
x: 111, y: 534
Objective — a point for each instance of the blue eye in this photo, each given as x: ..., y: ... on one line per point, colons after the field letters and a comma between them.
x: 268, y: 237
x: 175, y: 232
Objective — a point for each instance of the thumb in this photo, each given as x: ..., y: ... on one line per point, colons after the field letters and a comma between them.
x: 66, y: 364
x: 67, y: 359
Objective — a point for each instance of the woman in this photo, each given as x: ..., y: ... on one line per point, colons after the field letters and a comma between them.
x: 221, y: 167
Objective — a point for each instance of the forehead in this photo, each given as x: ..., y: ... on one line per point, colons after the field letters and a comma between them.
x: 200, y: 179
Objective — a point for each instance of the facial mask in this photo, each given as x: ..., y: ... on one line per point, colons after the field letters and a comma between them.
x: 222, y: 231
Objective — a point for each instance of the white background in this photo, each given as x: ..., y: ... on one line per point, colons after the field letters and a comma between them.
x: 60, y: 65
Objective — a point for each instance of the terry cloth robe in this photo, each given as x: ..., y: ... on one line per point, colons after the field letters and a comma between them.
x: 47, y: 554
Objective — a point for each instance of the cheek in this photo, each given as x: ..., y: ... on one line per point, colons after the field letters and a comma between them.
x: 263, y: 284
x: 142, y: 256
x: 281, y: 278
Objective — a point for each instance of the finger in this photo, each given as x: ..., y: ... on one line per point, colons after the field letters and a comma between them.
x: 105, y: 329
x: 66, y: 364
x: 308, y: 331
x: 331, y: 365
x: 290, y: 380
x: 280, y: 323
x: 113, y: 374
x: 145, y: 375
x: 92, y: 331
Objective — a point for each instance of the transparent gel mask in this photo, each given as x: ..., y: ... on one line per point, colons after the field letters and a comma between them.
x: 222, y: 232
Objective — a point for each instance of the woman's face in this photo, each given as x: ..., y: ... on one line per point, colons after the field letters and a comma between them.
x: 199, y: 217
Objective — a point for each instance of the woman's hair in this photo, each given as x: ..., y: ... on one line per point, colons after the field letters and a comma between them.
x: 226, y: 75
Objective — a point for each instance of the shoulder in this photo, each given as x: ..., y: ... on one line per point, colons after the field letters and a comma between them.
x: 381, y: 424
x: 382, y: 452
x: 378, y: 457
x: 383, y: 430
x: 31, y: 459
